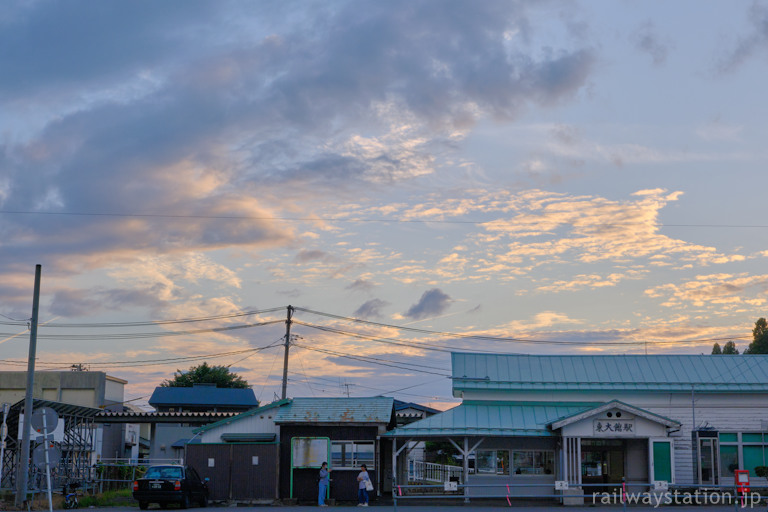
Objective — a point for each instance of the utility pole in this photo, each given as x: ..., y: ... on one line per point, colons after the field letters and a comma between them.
x: 22, y: 475
x: 287, y: 344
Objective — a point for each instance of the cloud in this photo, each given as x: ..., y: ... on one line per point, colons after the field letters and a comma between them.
x: 371, y: 308
x: 582, y: 281
x: 647, y: 41
x: 185, y: 127
x: 723, y: 291
x: 361, y: 285
x: 747, y: 46
x: 81, y: 303
x: 307, y: 256
x: 432, y: 303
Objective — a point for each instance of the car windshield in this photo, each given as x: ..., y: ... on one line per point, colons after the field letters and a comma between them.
x: 163, y: 472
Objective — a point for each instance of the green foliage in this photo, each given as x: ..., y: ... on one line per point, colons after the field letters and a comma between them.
x: 120, y: 497
x: 759, y: 343
x: 204, y: 374
x: 729, y: 349
x: 440, y: 452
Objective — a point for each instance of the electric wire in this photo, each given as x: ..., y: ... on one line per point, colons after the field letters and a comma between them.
x: 145, y: 362
x: 147, y: 323
x: 141, y: 335
x: 358, y: 219
x: 500, y: 338
x: 370, y: 359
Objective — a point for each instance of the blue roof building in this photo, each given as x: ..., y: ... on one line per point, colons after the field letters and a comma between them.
x: 202, y: 398
x: 597, y: 420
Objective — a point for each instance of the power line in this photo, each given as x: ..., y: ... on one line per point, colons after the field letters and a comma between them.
x: 497, y: 338
x: 368, y: 359
x: 146, y: 362
x: 150, y: 322
x: 139, y: 335
x: 359, y: 219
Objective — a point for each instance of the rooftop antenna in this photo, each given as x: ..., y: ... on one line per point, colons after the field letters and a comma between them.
x: 346, y: 386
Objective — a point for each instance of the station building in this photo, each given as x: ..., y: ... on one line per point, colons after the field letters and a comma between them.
x: 589, y: 420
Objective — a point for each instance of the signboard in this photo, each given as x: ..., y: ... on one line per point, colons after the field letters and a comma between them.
x: 660, y: 485
x: 57, y: 429
x: 451, y: 486
x: 614, y: 428
x: 44, y: 418
x: 742, y: 479
x: 38, y: 455
x: 309, y: 452
x: 561, y: 485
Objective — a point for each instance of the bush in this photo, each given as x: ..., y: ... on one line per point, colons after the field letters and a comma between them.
x: 762, y: 471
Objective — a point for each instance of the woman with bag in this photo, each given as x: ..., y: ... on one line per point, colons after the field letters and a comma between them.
x: 363, y: 486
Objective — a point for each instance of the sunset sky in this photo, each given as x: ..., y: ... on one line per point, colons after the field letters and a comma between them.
x: 571, y: 177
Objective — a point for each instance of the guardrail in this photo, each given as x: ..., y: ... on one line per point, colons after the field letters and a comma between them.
x: 420, y: 471
x: 724, y: 495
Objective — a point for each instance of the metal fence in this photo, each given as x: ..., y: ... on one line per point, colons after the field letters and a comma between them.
x: 615, y: 494
x: 114, y: 474
x: 420, y: 471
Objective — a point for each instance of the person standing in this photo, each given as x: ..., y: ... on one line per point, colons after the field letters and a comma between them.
x: 362, y: 482
x: 323, y: 480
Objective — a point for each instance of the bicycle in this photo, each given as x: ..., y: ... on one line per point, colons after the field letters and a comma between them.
x: 70, y: 495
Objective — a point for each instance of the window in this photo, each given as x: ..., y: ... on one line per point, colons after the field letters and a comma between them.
x: 352, y: 454
x: 492, y: 462
x: 533, y: 462
x: 729, y: 460
x: 752, y: 446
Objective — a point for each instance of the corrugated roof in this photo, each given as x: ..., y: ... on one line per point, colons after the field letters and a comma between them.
x: 242, y: 415
x: 742, y: 373
x: 203, y: 396
x: 376, y: 409
x: 486, y: 418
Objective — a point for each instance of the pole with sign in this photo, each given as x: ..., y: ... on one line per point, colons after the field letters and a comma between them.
x: 3, y: 435
x: 45, y: 420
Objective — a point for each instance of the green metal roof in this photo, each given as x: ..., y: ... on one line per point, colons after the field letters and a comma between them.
x: 487, y: 418
x: 376, y: 409
x: 248, y: 437
x: 510, y: 372
x: 251, y: 412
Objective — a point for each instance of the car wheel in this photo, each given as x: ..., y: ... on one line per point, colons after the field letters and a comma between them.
x: 143, y: 505
x: 184, y: 503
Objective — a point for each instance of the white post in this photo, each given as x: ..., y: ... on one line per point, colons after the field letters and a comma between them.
x: 3, y: 433
x: 47, y: 462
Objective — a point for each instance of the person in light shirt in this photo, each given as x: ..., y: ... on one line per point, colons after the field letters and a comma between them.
x: 362, y: 492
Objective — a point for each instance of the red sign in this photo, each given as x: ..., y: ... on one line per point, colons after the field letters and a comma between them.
x: 742, y: 479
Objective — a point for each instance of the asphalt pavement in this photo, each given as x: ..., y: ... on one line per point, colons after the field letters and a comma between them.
x: 471, y: 507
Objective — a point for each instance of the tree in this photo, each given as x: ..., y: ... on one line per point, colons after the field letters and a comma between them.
x: 204, y: 374
x: 759, y: 343
x: 729, y: 349
x: 441, y: 452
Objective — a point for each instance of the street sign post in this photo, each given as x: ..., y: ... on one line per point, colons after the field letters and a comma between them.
x: 3, y: 435
x: 45, y: 420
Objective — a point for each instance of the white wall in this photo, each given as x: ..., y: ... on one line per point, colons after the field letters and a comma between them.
x: 732, y: 412
x: 262, y: 423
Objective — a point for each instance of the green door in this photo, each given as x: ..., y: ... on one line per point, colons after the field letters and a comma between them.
x: 661, y: 456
